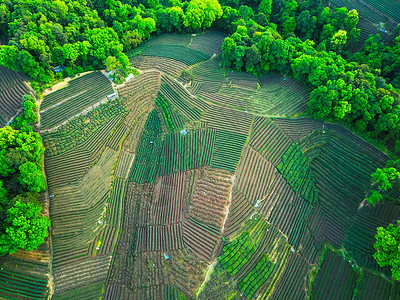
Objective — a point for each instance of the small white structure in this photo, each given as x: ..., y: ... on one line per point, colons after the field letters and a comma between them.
x: 184, y: 131
x: 112, y: 96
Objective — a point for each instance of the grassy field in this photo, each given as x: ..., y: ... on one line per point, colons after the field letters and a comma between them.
x: 182, y: 177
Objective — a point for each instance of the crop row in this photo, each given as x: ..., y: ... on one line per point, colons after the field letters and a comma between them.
x: 180, y: 53
x: 269, y: 140
x: 69, y: 108
x: 76, y: 86
x: 228, y: 150
x: 255, y: 175
x: 79, y: 129
x: 184, y: 152
x: 18, y: 286
x: 12, y: 88
x: 147, y: 158
x: 256, y: 277
x: 295, y: 169
x: 164, y: 64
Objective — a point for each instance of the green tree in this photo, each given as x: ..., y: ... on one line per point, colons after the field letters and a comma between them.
x: 265, y: 7
x: 111, y: 63
x: 24, y: 228
x: 338, y: 40
x: 387, y: 247
x: 321, y: 101
x: 382, y: 181
x: 30, y: 109
x: 31, y: 177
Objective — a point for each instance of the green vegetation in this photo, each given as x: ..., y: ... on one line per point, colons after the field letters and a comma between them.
x: 237, y: 253
x: 256, y: 277
x: 147, y: 163
x: 383, y: 179
x: 81, y: 36
x: 21, y: 179
x: 295, y: 168
x: 190, y: 161
x: 388, y: 248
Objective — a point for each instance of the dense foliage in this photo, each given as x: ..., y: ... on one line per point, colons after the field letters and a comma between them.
x: 385, y: 182
x: 76, y: 37
x: 21, y: 179
x: 388, y: 248
x: 342, y: 90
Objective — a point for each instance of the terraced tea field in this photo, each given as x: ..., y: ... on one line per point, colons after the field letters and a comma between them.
x: 182, y: 177
x: 12, y: 88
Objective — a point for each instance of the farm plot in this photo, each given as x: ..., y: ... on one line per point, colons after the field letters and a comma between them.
x: 242, y: 80
x: 73, y: 99
x: 291, y: 284
x: 184, y: 152
x: 170, y: 200
x: 147, y: 162
x: 167, y: 65
x: 208, y: 42
x: 296, y: 129
x: 360, y: 238
x: 240, y: 210
x: 141, y: 246
x: 228, y: 150
x: 180, y: 53
x: 254, y: 258
x: 341, y: 173
x: 81, y: 128
x: 278, y: 96
x: 138, y: 95
x: 21, y: 286
x: 191, y: 106
x: 172, y: 119
x: 12, y: 88
x: 74, y: 163
x: 228, y: 119
x: 390, y: 8
x: 269, y: 140
x: 254, y: 185
x: 209, y: 70
x: 328, y: 284
x: 295, y: 169
x: 76, y: 211
x: 375, y: 287
x: 203, y: 228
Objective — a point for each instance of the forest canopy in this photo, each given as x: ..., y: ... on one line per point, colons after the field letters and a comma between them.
x: 21, y: 179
